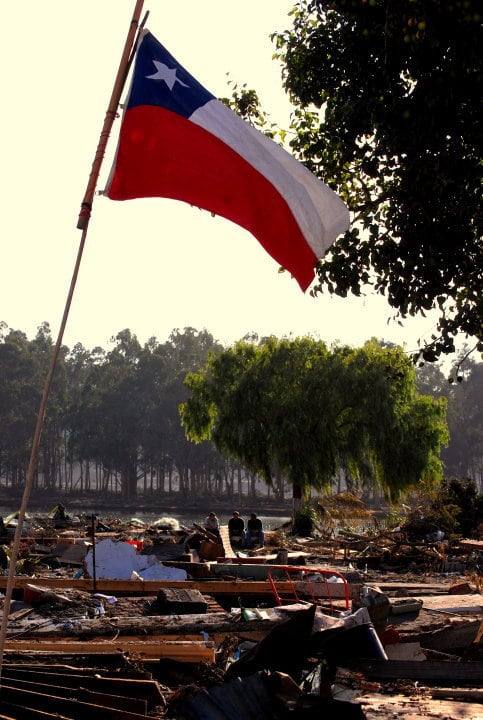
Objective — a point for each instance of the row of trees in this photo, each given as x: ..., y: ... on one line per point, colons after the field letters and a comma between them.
x: 463, y: 457
x: 113, y: 418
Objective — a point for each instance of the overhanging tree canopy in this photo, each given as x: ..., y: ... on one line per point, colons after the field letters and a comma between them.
x: 387, y: 99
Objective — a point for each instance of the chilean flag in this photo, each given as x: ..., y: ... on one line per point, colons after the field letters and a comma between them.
x: 178, y: 141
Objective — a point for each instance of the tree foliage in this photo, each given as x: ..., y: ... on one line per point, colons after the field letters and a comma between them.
x: 464, y: 455
x: 309, y: 412
x: 455, y: 507
x: 126, y: 413
x: 23, y: 367
x: 112, y: 421
x: 387, y: 110
x: 113, y: 413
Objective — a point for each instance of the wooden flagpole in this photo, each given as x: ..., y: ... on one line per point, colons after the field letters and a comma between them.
x: 111, y: 113
x: 82, y: 224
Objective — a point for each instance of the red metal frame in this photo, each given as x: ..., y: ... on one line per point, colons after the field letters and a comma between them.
x: 304, y: 572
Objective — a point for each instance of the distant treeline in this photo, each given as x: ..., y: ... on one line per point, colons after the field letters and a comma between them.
x: 112, y: 424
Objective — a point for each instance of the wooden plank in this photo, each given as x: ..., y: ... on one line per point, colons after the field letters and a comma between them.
x: 148, y: 690
x: 471, y: 544
x: 225, y: 539
x: 29, y: 714
x: 129, y: 587
x: 149, y: 625
x: 458, y: 693
x: 215, y: 638
x: 414, y: 708
x: 151, y: 587
x: 64, y: 668
x: 471, y: 604
x: 413, y: 589
x: 59, y: 689
x: 146, y: 587
x: 19, y: 614
x: 146, y: 649
x: 430, y: 670
x: 64, y: 706
x: 131, y: 704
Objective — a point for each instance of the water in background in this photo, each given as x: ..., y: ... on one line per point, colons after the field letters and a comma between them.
x: 270, y: 522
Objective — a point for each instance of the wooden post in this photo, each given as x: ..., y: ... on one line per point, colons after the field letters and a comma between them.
x: 93, y: 530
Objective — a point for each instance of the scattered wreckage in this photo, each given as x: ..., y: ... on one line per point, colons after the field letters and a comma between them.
x: 121, y: 623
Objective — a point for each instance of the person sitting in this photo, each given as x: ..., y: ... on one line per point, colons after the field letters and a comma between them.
x: 212, y: 524
x: 236, y: 529
x: 58, y: 512
x: 59, y: 516
x: 254, y: 534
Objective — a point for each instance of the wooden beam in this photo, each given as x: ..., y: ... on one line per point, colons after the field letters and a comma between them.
x: 149, y: 625
x: 473, y: 694
x: 413, y: 589
x: 151, y: 587
x: 62, y: 707
x: 147, y: 690
x: 427, y: 671
x: 147, y: 649
x: 470, y: 604
x: 56, y: 687
x: 382, y: 707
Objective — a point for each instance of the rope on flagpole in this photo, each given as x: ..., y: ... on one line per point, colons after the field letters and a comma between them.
x: 82, y: 224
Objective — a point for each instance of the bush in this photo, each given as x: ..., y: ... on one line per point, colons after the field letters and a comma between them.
x: 304, y: 521
x: 455, y: 507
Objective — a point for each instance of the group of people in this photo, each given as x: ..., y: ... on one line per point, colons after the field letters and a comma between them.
x: 240, y: 535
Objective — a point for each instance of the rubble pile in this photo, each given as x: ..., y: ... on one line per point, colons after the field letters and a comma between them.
x: 90, y: 630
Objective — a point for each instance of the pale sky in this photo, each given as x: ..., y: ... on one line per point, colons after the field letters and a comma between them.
x: 149, y: 265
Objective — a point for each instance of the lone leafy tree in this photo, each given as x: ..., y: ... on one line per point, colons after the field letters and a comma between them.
x: 307, y: 412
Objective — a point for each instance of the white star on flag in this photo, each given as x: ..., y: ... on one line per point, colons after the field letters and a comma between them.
x: 163, y: 72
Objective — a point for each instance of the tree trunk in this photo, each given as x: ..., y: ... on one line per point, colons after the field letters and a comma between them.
x: 300, y: 497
